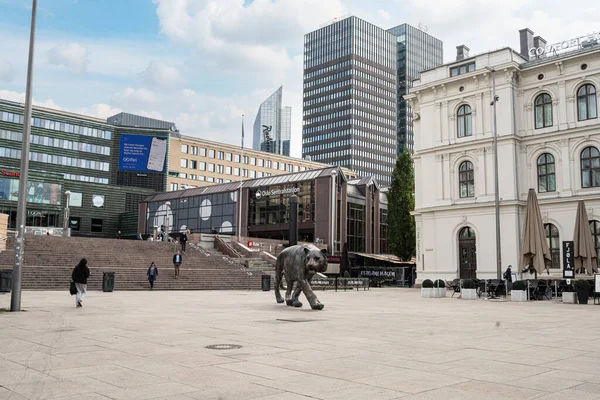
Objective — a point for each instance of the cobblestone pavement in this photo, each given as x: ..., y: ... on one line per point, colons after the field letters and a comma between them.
x: 377, y: 344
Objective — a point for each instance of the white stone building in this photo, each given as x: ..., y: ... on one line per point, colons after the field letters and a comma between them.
x: 548, y: 139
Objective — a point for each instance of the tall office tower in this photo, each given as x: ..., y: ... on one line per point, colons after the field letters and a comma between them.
x: 417, y: 51
x: 350, y: 97
x: 273, y: 126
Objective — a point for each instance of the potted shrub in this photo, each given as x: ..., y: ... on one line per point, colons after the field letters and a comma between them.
x: 582, y: 288
x: 439, y: 288
x: 519, y: 291
x: 469, y: 290
x: 568, y: 295
x: 427, y: 288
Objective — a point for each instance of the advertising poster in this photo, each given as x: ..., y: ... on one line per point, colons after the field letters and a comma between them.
x: 142, y: 153
x: 37, y: 192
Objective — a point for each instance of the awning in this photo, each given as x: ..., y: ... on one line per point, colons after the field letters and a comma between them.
x: 386, y: 257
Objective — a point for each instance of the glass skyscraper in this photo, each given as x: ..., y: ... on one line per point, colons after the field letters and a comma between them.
x: 273, y: 126
x: 416, y: 51
x: 350, y: 97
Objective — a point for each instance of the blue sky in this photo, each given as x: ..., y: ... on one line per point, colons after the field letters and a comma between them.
x: 204, y: 63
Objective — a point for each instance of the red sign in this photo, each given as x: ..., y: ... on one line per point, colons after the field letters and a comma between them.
x: 250, y: 243
x: 335, y: 260
x: 10, y: 173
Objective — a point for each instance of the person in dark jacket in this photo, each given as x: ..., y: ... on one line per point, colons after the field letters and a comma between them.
x: 508, y: 274
x: 80, y: 275
x: 152, y: 275
x: 177, y: 260
x: 184, y: 240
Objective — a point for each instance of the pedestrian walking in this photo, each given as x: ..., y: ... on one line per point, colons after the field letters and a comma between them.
x: 152, y: 274
x: 80, y: 275
x: 184, y: 240
x: 508, y: 274
x: 177, y: 260
x: 119, y: 235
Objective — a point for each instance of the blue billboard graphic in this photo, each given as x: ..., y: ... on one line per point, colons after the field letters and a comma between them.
x: 142, y: 153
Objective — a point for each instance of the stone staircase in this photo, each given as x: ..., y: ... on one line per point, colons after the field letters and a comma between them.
x: 49, y: 260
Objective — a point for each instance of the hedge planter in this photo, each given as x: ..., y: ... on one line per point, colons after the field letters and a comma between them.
x: 568, y: 297
x: 427, y: 288
x: 439, y: 288
x: 518, y: 295
x: 469, y: 294
x: 518, y: 291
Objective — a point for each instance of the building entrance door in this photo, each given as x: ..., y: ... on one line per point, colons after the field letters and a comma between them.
x: 467, y: 250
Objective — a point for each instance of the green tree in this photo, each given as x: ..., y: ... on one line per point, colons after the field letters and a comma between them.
x: 401, y: 201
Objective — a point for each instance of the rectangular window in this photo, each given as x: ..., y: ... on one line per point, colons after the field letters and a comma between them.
x: 252, y: 161
x: 220, y: 169
x: 219, y: 180
x: 194, y: 150
x: 193, y: 177
x: 211, y: 167
x: 183, y: 175
x: 246, y: 160
x: 268, y: 164
x: 75, y: 223
x: 261, y: 162
x: 202, y: 166
x: 172, y: 187
x: 237, y: 158
x: 252, y: 174
x: 96, y: 225
x: 193, y: 164
x: 184, y: 148
x: 210, y: 179
x: 202, y: 152
x: 201, y: 178
x: 275, y: 165
x: 229, y: 156
x: 236, y: 171
x: 221, y: 155
x: 184, y: 163
x: 211, y: 154
x: 228, y: 170
x: 462, y: 69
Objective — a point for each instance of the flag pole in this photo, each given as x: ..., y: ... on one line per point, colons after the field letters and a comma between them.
x: 239, y: 228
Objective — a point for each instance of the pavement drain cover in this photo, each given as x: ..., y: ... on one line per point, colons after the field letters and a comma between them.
x: 296, y: 320
x: 223, y: 347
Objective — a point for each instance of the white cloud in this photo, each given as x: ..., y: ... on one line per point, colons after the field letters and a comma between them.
x: 20, y: 98
x: 161, y: 74
x: 135, y: 97
x: 7, y: 71
x: 100, y: 110
x: 72, y: 56
x: 384, y: 14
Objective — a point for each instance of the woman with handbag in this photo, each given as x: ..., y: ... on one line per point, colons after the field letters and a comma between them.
x: 152, y: 274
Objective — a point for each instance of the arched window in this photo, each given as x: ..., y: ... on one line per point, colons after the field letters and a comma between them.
x: 590, y: 167
x: 466, y: 233
x: 546, y: 174
x: 586, y: 102
x: 553, y: 239
x: 595, y: 227
x: 466, y: 179
x: 543, y: 111
x: 465, y: 125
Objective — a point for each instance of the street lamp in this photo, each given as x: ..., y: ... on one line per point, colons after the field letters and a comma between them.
x: 334, y: 173
x: 66, y: 218
x: 167, y: 210
x: 496, y: 190
x: 17, y: 274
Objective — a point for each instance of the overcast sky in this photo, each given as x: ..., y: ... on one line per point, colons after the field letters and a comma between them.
x: 204, y: 63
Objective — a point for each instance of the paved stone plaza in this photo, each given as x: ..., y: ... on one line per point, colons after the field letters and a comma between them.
x: 378, y: 344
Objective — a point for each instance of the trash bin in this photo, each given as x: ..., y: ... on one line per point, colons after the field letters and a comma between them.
x: 108, y: 281
x: 266, y: 282
x: 5, y: 280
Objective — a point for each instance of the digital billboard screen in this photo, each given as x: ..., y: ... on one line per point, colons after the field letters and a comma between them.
x: 142, y: 153
x: 37, y: 192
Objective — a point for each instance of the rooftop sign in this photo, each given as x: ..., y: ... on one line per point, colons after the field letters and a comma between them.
x: 582, y: 41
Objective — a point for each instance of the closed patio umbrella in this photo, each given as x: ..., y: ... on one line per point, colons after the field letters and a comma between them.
x: 584, y: 250
x: 534, y: 247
